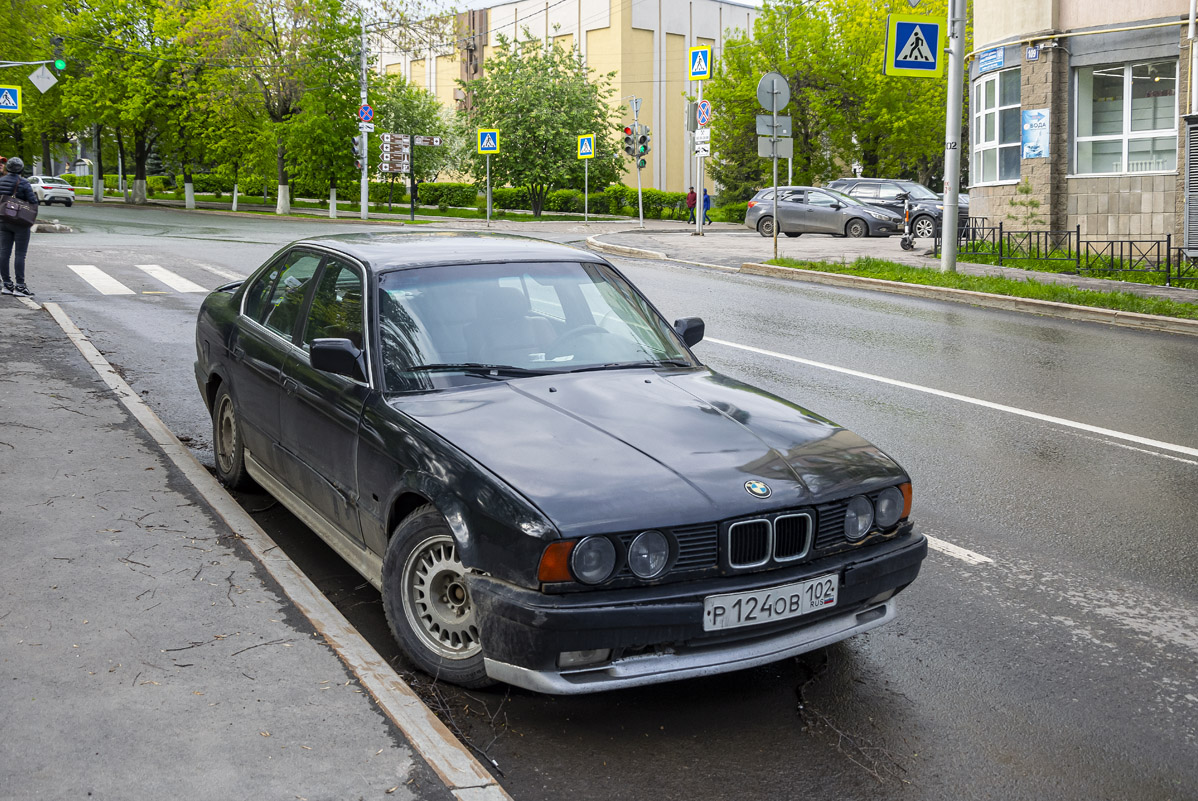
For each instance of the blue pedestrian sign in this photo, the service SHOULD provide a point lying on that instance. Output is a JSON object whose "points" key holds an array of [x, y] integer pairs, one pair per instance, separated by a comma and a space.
{"points": [[488, 140], [700, 63], [586, 146], [914, 46], [10, 99], [365, 113]]}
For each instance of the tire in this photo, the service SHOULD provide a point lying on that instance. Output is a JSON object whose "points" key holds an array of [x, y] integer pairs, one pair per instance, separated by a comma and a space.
{"points": [[856, 228], [428, 604], [765, 226], [228, 449], [69, 203], [923, 227], [792, 234]]}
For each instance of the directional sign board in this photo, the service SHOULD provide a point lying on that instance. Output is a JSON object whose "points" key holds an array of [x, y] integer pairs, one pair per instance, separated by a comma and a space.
{"points": [[586, 146], [10, 99], [914, 45], [393, 138], [395, 147], [700, 63], [703, 112], [388, 166], [427, 141], [365, 113], [488, 140]]}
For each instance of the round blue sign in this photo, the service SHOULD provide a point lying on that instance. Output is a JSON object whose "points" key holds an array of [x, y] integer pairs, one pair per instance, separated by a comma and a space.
{"points": [[704, 112]]}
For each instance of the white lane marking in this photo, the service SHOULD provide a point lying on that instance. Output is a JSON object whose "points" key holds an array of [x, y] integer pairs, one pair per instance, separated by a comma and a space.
{"points": [[957, 552], [222, 273], [1106, 432], [175, 282], [103, 283], [1133, 448]]}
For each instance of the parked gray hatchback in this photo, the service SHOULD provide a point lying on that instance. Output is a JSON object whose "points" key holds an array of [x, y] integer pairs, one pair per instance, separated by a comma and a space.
{"points": [[809, 210]]}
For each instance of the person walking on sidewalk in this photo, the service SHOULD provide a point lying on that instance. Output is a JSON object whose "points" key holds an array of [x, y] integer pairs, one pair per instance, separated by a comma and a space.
{"points": [[15, 234], [706, 207], [690, 204]]}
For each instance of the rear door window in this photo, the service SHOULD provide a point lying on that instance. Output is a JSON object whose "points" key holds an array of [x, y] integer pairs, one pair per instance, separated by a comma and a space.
{"points": [[275, 298]]}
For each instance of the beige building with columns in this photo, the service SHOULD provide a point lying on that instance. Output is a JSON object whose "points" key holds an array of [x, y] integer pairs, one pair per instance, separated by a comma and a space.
{"points": [[645, 42], [1106, 83]]}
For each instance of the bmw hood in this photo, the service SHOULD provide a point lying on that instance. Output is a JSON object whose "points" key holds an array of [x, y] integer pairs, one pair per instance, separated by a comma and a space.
{"points": [[624, 449]]}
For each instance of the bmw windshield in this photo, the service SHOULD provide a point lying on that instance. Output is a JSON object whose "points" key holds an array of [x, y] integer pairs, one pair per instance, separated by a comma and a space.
{"points": [[464, 323]]}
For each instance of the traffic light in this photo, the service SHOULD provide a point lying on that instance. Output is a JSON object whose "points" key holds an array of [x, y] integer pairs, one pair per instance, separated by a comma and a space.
{"points": [[643, 145], [630, 140], [357, 146], [641, 163], [60, 63]]}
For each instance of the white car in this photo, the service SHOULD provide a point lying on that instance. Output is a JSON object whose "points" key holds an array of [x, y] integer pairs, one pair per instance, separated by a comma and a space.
{"points": [[50, 189]]}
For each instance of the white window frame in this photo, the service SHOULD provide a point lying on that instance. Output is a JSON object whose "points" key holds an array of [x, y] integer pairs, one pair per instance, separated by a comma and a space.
{"points": [[1128, 134], [977, 129]]}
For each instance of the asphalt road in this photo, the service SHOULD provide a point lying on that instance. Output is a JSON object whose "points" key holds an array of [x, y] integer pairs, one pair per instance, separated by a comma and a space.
{"points": [[1048, 650]]}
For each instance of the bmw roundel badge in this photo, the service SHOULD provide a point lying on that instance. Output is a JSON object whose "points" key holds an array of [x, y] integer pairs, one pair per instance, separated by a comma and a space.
{"points": [[758, 489]]}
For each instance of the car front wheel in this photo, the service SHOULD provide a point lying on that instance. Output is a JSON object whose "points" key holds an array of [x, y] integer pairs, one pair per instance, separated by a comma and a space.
{"points": [[427, 601], [765, 226], [856, 229], [227, 446], [923, 227]]}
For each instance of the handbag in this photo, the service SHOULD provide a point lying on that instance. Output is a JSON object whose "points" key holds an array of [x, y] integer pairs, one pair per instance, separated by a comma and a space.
{"points": [[17, 212]]}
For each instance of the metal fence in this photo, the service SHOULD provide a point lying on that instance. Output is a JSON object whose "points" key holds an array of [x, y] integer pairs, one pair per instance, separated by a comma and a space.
{"points": [[1097, 257]]}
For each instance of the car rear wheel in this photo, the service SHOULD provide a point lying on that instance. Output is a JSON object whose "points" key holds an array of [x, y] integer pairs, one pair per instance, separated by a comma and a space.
{"points": [[923, 227], [856, 228], [428, 603], [69, 203], [765, 226], [227, 446]]}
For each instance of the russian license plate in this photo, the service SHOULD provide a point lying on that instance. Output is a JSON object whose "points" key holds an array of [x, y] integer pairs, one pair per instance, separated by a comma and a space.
{"points": [[751, 608]]}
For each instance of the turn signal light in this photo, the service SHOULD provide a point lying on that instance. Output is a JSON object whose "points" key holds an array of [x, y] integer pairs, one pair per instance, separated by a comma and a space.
{"points": [[906, 490], [555, 562]]}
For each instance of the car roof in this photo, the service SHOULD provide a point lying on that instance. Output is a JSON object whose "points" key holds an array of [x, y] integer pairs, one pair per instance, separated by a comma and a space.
{"points": [[391, 250]]}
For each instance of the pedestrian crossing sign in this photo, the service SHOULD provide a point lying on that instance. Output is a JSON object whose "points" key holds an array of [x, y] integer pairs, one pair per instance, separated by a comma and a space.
{"points": [[914, 46], [700, 63], [586, 146], [488, 140], [10, 99]]}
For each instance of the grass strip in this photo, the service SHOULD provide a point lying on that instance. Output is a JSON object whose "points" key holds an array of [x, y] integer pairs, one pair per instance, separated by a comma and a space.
{"points": [[1026, 288]]}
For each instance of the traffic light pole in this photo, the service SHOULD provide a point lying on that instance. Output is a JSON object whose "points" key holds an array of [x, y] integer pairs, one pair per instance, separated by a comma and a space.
{"points": [[365, 194], [952, 135], [636, 135]]}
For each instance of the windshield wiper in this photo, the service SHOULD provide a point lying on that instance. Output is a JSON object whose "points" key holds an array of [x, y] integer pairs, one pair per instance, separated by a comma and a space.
{"points": [[481, 369], [632, 365]]}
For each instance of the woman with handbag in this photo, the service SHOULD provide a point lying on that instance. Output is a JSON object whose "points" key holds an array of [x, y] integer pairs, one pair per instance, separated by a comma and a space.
{"points": [[14, 230]]}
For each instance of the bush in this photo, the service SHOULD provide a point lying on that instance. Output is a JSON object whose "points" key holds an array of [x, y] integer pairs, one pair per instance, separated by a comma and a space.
{"points": [[566, 200], [731, 212], [449, 194], [509, 197], [156, 184]]}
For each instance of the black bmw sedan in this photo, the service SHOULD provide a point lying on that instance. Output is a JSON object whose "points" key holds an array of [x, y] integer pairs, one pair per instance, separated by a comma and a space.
{"points": [[549, 489]]}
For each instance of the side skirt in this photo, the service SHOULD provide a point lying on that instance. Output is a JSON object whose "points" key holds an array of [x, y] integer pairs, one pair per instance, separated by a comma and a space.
{"points": [[360, 559]]}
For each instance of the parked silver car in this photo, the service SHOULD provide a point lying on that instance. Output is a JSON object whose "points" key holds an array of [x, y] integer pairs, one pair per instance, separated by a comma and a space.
{"points": [[808, 210]]}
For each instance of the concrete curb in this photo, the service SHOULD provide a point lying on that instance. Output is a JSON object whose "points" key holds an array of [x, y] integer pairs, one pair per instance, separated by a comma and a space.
{"points": [[463, 775], [1172, 325], [637, 253]]}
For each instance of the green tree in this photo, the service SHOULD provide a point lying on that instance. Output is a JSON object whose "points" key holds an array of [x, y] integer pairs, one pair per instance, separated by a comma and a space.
{"points": [[401, 107], [540, 98]]}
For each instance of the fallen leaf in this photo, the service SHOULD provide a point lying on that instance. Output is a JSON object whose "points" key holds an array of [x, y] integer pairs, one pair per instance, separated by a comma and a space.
{"points": [[264, 733], [393, 789]]}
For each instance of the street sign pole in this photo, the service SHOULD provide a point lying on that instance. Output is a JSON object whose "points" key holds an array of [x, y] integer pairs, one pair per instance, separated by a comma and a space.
{"points": [[586, 188], [488, 190], [364, 199], [774, 91], [700, 212], [952, 135], [412, 181]]}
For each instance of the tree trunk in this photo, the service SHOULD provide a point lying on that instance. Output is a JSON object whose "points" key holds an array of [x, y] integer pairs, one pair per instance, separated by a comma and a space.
{"points": [[283, 206], [47, 164], [333, 197], [98, 168], [189, 191], [536, 198], [141, 153]]}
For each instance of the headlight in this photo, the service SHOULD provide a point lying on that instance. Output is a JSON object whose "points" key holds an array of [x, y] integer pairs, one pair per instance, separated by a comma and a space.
{"points": [[593, 560], [858, 518], [648, 554], [877, 215], [889, 507]]}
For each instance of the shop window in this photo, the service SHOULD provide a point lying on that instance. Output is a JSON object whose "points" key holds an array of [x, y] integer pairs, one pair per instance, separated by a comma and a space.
{"points": [[1127, 118], [996, 128]]}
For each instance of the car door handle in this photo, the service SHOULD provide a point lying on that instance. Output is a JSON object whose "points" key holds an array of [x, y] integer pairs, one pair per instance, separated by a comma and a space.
{"points": [[238, 353], [290, 385]]}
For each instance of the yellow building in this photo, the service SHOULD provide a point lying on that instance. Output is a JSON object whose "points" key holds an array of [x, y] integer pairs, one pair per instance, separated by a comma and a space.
{"points": [[645, 42]]}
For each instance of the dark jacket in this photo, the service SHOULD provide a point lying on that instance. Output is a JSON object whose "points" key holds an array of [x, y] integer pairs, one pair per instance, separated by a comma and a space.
{"points": [[12, 184], [690, 200]]}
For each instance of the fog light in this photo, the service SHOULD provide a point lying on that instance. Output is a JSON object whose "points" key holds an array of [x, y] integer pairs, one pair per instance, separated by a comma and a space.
{"points": [[569, 659], [880, 598]]}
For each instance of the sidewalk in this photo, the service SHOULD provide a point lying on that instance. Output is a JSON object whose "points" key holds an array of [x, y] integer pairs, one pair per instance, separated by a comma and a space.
{"points": [[145, 652], [728, 246]]}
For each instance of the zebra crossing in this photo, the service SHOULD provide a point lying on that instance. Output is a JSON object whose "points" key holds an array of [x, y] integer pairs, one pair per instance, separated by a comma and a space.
{"points": [[105, 283]]}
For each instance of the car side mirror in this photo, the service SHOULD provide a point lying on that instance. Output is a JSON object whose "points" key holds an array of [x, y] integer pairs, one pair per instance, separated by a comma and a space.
{"points": [[337, 356], [837, 206], [690, 329]]}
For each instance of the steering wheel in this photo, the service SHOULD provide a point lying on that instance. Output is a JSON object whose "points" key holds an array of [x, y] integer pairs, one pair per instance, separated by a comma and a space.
{"points": [[574, 333]]}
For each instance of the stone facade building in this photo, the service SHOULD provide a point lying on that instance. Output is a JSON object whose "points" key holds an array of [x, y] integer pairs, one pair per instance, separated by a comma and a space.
{"points": [[1085, 100]]}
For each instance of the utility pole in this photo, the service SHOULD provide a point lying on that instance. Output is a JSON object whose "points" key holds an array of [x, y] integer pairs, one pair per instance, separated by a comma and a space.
{"points": [[365, 195], [952, 134]]}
